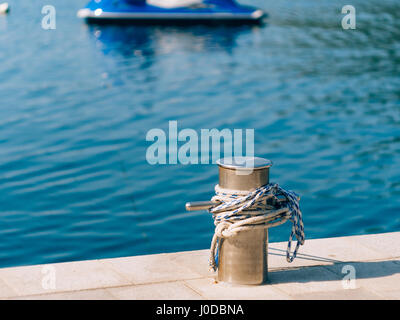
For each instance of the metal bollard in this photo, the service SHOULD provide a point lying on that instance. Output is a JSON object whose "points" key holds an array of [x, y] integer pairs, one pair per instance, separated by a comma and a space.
{"points": [[243, 257]]}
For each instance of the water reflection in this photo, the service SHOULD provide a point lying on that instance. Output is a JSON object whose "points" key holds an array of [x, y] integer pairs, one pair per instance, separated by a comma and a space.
{"points": [[150, 41], [3, 23]]}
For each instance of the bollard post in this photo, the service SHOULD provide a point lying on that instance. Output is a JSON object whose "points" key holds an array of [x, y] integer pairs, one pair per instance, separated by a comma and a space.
{"points": [[243, 258]]}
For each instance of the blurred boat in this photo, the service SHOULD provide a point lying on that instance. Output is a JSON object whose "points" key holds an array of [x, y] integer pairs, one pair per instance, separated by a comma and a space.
{"points": [[169, 11], [4, 8]]}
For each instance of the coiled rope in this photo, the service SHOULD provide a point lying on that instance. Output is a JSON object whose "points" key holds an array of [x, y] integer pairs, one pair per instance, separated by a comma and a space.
{"points": [[265, 207]]}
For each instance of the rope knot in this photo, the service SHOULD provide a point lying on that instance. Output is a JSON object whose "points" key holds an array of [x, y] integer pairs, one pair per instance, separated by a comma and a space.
{"points": [[221, 230], [265, 207]]}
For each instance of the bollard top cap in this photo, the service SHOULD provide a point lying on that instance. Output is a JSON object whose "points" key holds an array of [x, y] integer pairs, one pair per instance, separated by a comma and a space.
{"points": [[238, 163]]}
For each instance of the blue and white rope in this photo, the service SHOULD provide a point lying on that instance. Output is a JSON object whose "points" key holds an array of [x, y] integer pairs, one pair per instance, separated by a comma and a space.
{"points": [[265, 207]]}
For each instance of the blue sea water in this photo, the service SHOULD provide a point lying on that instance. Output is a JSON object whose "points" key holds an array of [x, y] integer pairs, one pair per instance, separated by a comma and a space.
{"points": [[76, 104]]}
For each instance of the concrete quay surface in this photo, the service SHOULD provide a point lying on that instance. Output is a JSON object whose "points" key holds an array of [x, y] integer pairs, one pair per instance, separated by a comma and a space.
{"points": [[319, 272]]}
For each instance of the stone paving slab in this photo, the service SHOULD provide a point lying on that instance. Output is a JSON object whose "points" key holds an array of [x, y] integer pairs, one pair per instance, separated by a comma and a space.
{"points": [[317, 273], [69, 276], [210, 289], [157, 291], [354, 294], [94, 294], [150, 269]]}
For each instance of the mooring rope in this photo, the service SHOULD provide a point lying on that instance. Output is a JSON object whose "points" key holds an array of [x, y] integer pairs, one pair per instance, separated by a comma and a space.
{"points": [[265, 207]]}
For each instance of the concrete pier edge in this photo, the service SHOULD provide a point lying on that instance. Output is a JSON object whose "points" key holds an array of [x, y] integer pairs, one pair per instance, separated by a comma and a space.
{"points": [[355, 267]]}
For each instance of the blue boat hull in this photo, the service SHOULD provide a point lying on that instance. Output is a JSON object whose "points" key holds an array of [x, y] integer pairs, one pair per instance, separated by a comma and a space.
{"points": [[211, 11]]}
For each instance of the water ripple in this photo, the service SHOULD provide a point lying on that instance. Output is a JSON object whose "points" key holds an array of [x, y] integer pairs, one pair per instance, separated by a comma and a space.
{"points": [[76, 105]]}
